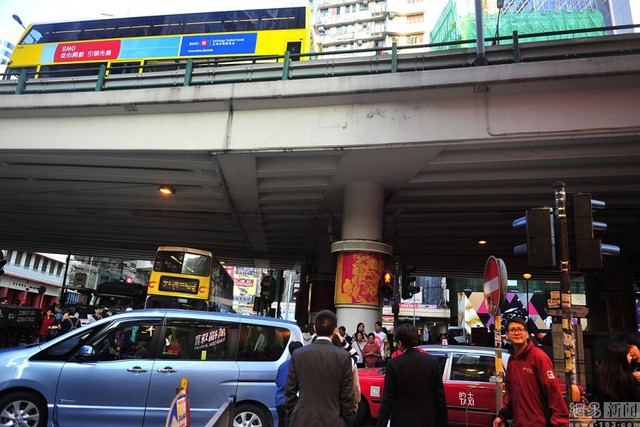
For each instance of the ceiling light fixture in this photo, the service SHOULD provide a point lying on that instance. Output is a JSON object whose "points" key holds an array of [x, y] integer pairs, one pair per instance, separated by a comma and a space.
{"points": [[167, 190], [482, 242]]}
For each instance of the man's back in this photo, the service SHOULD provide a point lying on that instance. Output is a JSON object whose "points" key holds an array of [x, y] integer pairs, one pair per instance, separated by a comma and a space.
{"points": [[414, 393], [321, 372]]}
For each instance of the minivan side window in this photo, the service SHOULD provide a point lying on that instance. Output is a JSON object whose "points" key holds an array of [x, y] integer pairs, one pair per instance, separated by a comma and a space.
{"points": [[200, 340], [472, 367], [126, 340], [262, 342]]}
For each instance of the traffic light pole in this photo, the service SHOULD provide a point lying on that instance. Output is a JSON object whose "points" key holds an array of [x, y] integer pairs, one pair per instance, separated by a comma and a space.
{"points": [[396, 295], [565, 288]]}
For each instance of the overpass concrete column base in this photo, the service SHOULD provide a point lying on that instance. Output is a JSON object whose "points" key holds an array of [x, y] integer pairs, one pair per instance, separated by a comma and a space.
{"points": [[349, 315]]}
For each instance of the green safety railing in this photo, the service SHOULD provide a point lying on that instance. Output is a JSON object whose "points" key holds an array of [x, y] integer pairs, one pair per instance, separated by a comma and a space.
{"points": [[290, 66]]}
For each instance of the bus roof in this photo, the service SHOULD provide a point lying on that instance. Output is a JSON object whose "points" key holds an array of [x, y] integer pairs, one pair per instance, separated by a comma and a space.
{"points": [[183, 13]]}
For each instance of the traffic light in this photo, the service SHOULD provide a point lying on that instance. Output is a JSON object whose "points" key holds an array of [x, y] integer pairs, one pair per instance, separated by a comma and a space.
{"points": [[386, 285], [540, 248], [408, 290], [268, 288], [3, 261], [587, 250]]}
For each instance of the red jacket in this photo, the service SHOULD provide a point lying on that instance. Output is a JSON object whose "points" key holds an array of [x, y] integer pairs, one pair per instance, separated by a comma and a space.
{"points": [[531, 388]]}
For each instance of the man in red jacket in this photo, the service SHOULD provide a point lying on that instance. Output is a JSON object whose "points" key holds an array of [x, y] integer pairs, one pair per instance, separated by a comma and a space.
{"points": [[533, 397]]}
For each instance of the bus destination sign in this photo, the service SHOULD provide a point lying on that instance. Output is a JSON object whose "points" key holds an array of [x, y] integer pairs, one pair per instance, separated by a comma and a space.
{"points": [[178, 284]]}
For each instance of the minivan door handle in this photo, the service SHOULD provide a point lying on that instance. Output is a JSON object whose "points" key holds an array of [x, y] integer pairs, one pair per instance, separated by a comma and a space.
{"points": [[167, 369], [136, 370]]}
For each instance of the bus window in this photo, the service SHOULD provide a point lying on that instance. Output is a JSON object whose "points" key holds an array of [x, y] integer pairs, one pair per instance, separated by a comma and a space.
{"points": [[294, 48], [124, 68], [33, 36]]}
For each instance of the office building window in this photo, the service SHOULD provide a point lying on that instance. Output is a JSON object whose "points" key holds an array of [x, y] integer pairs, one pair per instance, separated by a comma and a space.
{"points": [[415, 19]]}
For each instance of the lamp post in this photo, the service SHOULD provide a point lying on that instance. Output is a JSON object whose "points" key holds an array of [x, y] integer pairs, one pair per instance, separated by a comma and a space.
{"points": [[526, 277], [19, 21]]}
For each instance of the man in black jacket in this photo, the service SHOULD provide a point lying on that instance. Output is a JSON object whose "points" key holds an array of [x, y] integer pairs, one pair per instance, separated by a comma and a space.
{"points": [[413, 390], [319, 390]]}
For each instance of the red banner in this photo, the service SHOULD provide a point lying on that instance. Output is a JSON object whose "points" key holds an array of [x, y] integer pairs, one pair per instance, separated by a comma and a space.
{"points": [[357, 278], [87, 51]]}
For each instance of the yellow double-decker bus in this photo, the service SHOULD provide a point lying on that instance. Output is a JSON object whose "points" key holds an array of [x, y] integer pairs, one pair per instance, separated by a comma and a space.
{"points": [[164, 42], [190, 279]]}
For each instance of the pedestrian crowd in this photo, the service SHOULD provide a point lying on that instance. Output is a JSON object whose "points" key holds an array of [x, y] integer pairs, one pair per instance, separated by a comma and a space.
{"points": [[319, 386], [58, 321]]}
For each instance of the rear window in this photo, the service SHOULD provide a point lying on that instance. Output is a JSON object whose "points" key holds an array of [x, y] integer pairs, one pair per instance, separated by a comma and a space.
{"points": [[472, 367], [262, 342]]}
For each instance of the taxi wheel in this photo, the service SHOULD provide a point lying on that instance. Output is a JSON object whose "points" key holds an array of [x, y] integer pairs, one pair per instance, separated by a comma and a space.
{"points": [[248, 415], [23, 409], [363, 413]]}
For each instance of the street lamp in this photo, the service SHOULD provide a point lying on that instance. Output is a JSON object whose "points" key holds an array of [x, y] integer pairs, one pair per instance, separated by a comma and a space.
{"points": [[526, 277], [19, 21]]}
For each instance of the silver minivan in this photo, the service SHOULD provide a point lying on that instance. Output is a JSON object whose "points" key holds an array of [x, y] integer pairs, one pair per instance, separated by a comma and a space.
{"points": [[124, 370]]}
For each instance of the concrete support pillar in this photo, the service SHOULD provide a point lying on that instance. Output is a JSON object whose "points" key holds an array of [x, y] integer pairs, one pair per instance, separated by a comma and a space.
{"points": [[322, 279], [360, 256], [302, 297], [615, 289], [620, 295]]}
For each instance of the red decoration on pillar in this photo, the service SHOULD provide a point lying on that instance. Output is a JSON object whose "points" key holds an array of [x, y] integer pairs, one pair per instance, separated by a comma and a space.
{"points": [[357, 277]]}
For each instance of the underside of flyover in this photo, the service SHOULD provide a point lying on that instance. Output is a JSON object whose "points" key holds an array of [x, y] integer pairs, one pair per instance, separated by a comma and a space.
{"points": [[259, 172]]}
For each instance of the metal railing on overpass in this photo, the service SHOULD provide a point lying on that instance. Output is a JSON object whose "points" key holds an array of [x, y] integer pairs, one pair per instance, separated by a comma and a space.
{"points": [[394, 59]]}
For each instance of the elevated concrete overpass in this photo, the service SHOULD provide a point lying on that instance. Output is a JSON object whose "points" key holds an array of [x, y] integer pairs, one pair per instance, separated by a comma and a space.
{"points": [[260, 168]]}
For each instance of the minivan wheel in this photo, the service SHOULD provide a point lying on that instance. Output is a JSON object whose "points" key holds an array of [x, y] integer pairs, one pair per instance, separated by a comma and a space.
{"points": [[248, 415], [23, 409]]}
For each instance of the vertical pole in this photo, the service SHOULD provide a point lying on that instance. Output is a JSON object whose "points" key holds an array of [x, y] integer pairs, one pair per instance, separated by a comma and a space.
{"points": [[285, 65], [526, 285], [565, 288], [101, 76], [499, 369], [64, 279], [516, 48], [481, 58], [22, 80], [396, 295], [188, 72], [414, 310], [394, 57]]}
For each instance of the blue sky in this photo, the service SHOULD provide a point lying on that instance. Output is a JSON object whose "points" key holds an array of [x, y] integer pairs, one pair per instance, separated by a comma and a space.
{"points": [[31, 11]]}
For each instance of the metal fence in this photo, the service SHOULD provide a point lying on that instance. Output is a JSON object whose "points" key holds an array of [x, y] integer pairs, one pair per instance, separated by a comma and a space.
{"points": [[224, 416], [394, 59]]}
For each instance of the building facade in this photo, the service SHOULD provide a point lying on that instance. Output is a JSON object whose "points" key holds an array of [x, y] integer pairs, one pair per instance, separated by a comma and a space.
{"points": [[370, 24], [32, 278], [6, 48]]}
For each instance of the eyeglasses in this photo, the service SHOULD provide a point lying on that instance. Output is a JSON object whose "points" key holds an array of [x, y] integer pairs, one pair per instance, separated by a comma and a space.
{"points": [[516, 330]]}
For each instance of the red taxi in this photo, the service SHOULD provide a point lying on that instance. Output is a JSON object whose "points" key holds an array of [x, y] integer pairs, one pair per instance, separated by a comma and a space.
{"points": [[468, 374]]}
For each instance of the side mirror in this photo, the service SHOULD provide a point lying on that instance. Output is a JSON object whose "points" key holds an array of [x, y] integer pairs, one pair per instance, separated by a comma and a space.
{"points": [[86, 352]]}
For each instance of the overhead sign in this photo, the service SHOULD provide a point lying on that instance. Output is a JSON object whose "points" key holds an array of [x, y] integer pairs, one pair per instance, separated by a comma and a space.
{"points": [[495, 284]]}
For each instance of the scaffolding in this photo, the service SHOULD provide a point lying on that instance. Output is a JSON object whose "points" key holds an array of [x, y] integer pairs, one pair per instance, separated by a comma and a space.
{"points": [[524, 16], [518, 6]]}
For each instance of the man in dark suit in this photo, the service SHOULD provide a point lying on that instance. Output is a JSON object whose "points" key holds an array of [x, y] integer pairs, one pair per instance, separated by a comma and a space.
{"points": [[321, 374], [413, 390]]}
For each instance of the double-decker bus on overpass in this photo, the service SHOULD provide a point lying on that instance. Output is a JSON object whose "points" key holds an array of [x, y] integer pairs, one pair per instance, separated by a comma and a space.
{"points": [[161, 42]]}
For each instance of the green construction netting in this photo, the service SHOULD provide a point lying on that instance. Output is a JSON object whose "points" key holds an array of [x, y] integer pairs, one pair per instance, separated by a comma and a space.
{"points": [[464, 27]]}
